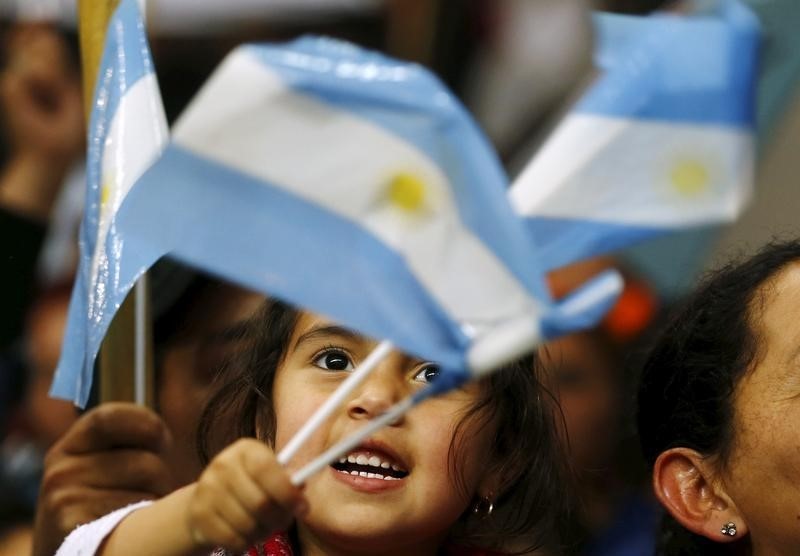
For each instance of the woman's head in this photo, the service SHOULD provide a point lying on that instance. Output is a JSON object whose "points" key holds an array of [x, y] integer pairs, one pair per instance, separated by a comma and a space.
{"points": [[493, 440], [718, 407]]}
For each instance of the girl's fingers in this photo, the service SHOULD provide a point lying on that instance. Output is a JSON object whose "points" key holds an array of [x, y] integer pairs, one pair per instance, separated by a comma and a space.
{"points": [[230, 510], [215, 496], [214, 530], [243, 494], [272, 478], [247, 491], [216, 518]]}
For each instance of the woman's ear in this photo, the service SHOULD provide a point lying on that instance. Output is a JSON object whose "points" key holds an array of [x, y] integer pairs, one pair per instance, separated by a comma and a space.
{"points": [[684, 483]]}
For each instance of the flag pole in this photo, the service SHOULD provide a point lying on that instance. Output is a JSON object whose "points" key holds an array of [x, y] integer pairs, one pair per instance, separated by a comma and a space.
{"points": [[126, 346]]}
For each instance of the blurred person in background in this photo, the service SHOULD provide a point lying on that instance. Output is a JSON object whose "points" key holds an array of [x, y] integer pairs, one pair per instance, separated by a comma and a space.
{"points": [[616, 515], [43, 133], [35, 422], [43, 138]]}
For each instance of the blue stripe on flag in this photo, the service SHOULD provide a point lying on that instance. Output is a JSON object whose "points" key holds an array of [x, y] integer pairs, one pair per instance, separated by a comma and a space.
{"points": [[695, 69], [71, 381], [563, 240], [423, 113], [292, 249]]}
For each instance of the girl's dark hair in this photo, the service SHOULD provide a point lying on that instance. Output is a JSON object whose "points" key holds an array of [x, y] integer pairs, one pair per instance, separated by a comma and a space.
{"points": [[527, 456], [686, 390]]}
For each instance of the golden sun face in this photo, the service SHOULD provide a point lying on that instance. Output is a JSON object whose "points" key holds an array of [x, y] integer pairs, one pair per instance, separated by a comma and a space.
{"points": [[407, 192], [690, 178]]}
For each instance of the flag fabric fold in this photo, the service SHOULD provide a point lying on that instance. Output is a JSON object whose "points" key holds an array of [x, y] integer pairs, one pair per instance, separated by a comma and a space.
{"points": [[662, 140], [127, 130]]}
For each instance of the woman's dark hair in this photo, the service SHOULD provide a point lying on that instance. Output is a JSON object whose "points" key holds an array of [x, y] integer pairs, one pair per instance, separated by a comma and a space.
{"points": [[686, 391], [531, 504]]}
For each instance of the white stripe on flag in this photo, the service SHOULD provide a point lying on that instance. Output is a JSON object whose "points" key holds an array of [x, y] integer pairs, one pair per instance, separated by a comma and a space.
{"points": [[682, 174], [136, 135], [248, 119]]}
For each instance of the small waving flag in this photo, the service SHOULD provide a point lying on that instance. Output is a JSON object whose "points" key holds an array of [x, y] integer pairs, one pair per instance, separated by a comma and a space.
{"points": [[663, 139], [127, 131], [352, 185]]}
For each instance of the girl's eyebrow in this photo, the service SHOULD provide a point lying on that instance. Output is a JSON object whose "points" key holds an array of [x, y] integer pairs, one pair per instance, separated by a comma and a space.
{"points": [[326, 331]]}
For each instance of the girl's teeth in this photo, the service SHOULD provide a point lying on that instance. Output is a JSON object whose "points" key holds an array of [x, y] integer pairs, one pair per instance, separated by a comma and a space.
{"points": [[370, 460], [367, 475]]}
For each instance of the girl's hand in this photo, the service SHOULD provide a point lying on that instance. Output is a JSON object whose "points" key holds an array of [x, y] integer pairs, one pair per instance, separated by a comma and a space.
{"points": [[244, 495]]}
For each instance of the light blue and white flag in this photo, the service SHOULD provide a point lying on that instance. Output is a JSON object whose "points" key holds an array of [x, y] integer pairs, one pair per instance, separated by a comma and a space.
{"points": [[352, 185], [127, 130], [662, 140]]}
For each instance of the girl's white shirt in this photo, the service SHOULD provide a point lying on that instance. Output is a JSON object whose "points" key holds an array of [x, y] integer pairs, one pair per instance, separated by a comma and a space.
{"points": [[87, 538]]}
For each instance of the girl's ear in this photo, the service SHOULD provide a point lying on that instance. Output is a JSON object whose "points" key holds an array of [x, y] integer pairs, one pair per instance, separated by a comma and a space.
{"points": [[490, 485], [684, 483]]}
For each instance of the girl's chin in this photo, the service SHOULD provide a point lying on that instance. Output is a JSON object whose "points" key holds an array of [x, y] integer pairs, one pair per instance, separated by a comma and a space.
{"points": [[358, 537]]}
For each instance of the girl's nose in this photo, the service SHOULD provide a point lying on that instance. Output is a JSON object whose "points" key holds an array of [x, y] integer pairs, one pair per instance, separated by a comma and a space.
{"points": [[380, 391]]}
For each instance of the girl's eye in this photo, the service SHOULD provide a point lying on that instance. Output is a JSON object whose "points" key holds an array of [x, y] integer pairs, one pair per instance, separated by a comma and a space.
{"points": [[427, 373], [334, 361]]}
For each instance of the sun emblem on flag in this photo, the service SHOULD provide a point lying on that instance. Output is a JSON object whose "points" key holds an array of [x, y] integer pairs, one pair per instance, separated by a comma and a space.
{"points": [[407, 191], [690, 177], [105, 194], [108, 184]]}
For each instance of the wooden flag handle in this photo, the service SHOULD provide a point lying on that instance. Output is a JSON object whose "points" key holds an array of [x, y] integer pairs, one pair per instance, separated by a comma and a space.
{"points": [[93, 21]]}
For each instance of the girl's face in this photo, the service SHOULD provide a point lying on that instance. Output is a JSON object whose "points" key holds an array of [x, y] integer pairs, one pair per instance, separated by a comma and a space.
{"points": [[394, 493]]}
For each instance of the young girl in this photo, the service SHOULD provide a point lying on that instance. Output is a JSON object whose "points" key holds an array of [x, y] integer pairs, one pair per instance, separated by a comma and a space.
{"points": [[478, 467]]}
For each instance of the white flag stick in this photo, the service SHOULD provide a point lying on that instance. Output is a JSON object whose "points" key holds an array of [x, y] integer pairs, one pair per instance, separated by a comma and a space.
{"points": [[338, 450], [337, 399]]}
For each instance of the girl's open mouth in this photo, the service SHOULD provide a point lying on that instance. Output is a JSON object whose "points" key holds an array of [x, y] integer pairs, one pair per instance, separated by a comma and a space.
{"points": [[370, 464]]}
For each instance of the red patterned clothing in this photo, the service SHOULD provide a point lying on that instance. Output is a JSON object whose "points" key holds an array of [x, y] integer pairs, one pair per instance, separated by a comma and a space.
{"points": [[279, 545]]}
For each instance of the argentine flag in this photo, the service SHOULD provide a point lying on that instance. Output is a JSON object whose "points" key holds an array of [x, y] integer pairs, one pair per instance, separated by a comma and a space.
{"points": [[355, 186], [663, 139], [127, 130]]}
